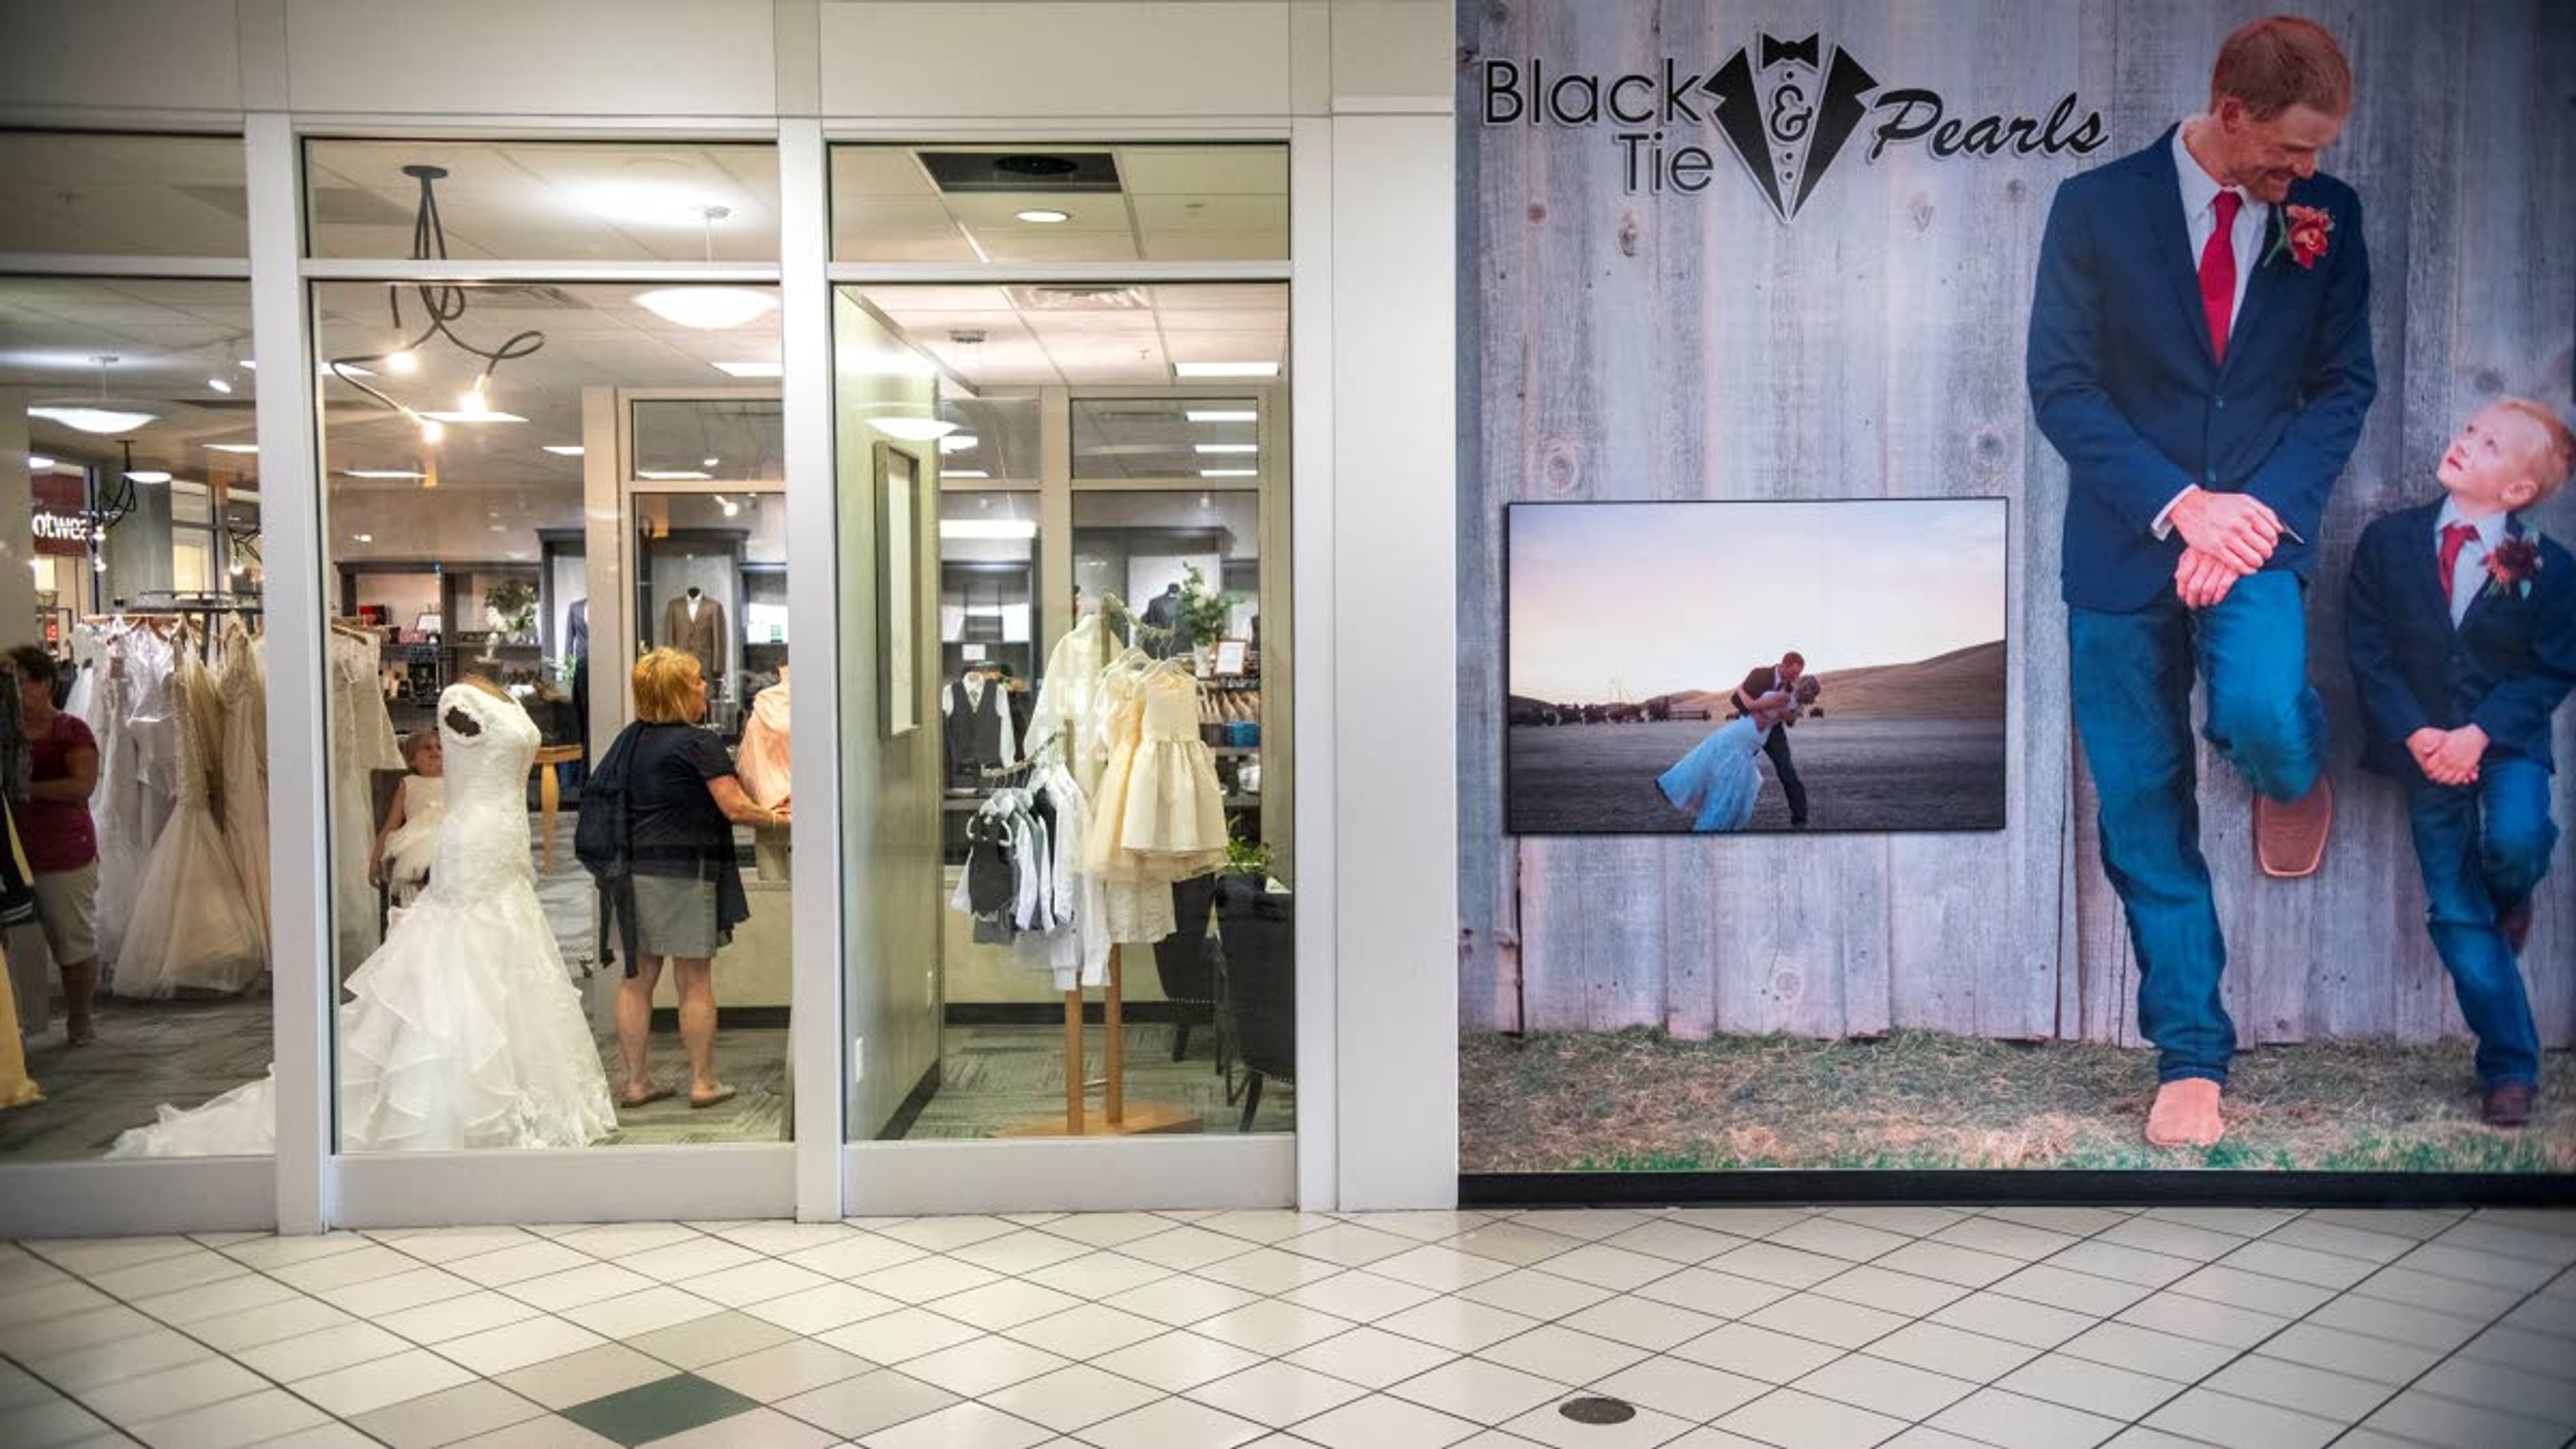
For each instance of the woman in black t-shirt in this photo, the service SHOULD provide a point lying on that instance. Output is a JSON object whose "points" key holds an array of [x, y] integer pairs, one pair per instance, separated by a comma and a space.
{"points": [[682, 801]]}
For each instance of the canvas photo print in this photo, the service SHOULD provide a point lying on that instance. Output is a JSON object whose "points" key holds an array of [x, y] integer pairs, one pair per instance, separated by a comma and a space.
{"points": [[1749, 667]]}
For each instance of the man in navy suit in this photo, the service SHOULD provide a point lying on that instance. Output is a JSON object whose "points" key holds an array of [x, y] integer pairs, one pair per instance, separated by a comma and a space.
{"points": [[2200, 354], [2461, 628]]}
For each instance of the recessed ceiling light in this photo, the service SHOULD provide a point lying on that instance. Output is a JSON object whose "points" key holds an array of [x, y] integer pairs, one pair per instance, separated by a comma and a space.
{"points": [[92, 419], [709, 462], [564, 450], [219, 385], [1229, 472], [401, 362], [234, 447], [474, 417], [748, 369], [707, 308], [1043, 216], [39, 462], [363, 537], [964, 473], [1229, 447], [381, 473], [1224, 415], [1225, 369], [988, 528], [913, 430], [958, 442], [147, 475], [671, 475]]}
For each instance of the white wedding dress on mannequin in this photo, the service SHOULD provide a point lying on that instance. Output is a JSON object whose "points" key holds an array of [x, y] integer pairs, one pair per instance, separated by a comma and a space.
{"points": [[463, 1030]]}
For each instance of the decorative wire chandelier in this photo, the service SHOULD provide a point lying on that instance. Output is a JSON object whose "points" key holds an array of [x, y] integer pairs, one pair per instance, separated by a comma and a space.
{"points": [[443, 305]]}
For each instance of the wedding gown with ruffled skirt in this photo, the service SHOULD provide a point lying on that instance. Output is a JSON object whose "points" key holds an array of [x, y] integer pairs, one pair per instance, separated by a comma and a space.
{"points": [[1717, 783], [463, 1030]]}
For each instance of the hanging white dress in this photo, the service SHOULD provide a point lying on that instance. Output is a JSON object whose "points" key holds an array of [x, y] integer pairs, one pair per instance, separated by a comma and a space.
{"points": [[244, 689], [362, 742], [192, 927], [463, 1030]]}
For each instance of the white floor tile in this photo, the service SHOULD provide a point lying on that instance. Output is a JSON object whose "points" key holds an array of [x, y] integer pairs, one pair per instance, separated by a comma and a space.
{"points": [[1087, 1331], [1517, 1243], [2317, 1269], [1488, 1393], [1645, 1430], [1884, 1386], [2345, 1239], [1181, 1299], [785, 1370], [780, 1239], [214, 1300], [307, 1354], [517, 1345], [578, 1378], [592, 1282], [2012, 1421], [1348, 1244], [1953, 1351], [979, 1366], [1950, 1263], [1757, 1353], [2435, 1291], [619, 1240], [1381, 1422], [1594, 1224], [1541, 1294], [1073, 1398], [360, 1388], [1103, 1275], [1006, 1304], [2380, 1360], [237, 1331], [1795, 1420], [1617, 1269], [640, 1313], [1440, 1268], [1675, 1242], [1183, 1248], [2147, 1351], [713, 1339], [32, 1337], [1772, 1263], [342, 1268], [2210, 1322], [1271, 1327], [2549, 1396], [2125, 1264], [1640, 1323], [1458, 1324], [960, 1426], [940, 1234], [1177, 1362], [1836, 1238], [1107, 1230], [1901, 1293], [1358, 1295], [2095, 1387], [857, 1407], [1276, 1394], [1023, 1252], [1720, 1295], [1371, 1357], [2450, 1424], [172, 1391], [99, 1364], [191, 1269], [2224, 1419], [1173, 1424], [2077, 1292], [691, 1258], [1685, 1390], [375, 1297], [1423, 1226], [1826, 1320], [254, 1418], [2404, 1322], [90, 1257], [438, 1246], [2011, 1240], [2324, 1393], [2014, 1320]]}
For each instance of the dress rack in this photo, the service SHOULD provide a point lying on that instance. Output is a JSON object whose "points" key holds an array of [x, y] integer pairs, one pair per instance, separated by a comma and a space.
{"points": [[195, 608], [1117, 1116]]}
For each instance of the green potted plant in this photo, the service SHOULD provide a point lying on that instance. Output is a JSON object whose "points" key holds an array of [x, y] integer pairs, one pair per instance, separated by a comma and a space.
{"points": [[1203, 616], [513, 606]]}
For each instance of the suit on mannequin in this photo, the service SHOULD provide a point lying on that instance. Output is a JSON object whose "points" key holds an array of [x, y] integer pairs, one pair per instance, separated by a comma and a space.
{"points": [[695, 624]]}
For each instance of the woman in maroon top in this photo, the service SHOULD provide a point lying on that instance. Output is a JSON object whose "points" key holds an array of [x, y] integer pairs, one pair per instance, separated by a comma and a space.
{"points": [[61, 843]]}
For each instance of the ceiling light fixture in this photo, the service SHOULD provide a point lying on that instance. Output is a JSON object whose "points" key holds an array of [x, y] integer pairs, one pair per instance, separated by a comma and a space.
{"points": [[1229, 447], [958, 442], [913, 430], [363, 537], [1223, 415], [1225, 369], [1042, 216], [233, 447], [1019, 528], [707, 309], [672, 475], [381, 473], [464, 417], [38, 463], [748, 369], [101, 414], [443, 305], [219, 385], [709, 462], [564, 450], [149, 475], [964, 473], [1229, 472]]}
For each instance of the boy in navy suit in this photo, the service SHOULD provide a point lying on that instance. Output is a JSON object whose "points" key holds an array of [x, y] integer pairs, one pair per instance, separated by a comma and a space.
{"points": [[2461, 627]]}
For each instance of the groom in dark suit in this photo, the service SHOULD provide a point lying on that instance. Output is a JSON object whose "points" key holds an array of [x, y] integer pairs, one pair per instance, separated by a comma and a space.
{"points": [[1761, 681], [2200, 354]]}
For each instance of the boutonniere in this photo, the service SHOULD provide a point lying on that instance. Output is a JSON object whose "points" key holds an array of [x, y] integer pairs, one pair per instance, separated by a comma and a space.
{"points": [[2511, 566], [2302, 232]]}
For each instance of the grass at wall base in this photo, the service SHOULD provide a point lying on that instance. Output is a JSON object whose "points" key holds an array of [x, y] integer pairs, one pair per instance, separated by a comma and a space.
{"points": [[1641, 1101]]}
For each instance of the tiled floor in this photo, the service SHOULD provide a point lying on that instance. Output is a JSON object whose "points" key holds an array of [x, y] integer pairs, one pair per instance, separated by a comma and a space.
{"points": [[1915, 1328]]}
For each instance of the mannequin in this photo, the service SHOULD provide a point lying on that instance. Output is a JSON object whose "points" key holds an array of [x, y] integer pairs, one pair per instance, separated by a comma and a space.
{"points": [[695, 624], [761, 763]]}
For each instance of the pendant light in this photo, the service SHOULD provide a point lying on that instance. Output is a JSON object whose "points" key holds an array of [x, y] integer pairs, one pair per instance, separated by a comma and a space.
{"points": [[101, 414], [443, 305], [708, 309]]}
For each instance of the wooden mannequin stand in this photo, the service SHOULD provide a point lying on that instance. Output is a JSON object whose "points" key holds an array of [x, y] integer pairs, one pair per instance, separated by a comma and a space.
{"points": [[1117, 1116]]}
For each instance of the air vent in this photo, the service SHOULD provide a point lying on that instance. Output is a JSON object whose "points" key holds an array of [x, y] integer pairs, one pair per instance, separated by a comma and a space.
{"points": [[1027, 172], [1079, 299]]}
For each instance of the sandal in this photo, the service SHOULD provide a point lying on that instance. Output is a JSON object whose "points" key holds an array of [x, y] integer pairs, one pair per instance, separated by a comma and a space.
{"points": [[717, 1097], [656, 1094]]}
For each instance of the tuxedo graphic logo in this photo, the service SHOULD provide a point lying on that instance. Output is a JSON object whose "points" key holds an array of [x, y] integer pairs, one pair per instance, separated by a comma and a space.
{"points": [[1786, 113]]}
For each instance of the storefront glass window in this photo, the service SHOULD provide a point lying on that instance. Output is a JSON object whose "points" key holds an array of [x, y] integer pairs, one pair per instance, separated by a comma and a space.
{"points": [[556, 200], [1059, 203], [132, 195], [1076, 784], [127, 401], [507, 540]]}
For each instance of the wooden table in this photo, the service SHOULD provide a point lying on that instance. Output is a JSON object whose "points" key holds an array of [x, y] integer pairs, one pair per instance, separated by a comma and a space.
{"points": [[550, 791]]}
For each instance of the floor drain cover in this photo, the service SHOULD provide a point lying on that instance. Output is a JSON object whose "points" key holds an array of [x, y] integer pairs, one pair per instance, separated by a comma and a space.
{"points": [[1597, 1411]]}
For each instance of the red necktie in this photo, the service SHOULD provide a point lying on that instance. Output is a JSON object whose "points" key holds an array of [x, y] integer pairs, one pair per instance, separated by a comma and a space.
{"points": [[2455, 536], [2218, 273]]}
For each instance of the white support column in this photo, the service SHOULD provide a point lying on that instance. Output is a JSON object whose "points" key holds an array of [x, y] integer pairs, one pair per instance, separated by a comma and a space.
{"points": [[1310, 517], [1394, 530], [814, 614], [292, 527]]}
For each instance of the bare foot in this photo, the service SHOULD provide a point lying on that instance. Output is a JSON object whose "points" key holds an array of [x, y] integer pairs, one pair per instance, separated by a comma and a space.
{"points": [[2185, 1115]]}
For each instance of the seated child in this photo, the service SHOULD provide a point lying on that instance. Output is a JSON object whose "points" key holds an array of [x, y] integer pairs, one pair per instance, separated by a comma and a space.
{"points": [[2461, 629], [408, 841]]}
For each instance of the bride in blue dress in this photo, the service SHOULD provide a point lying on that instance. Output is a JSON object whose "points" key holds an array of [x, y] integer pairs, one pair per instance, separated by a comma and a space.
{"points": [[1718, 782]]}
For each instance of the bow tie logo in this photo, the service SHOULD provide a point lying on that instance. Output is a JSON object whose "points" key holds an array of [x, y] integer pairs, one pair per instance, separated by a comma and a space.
{"points": [[1776, 51]]}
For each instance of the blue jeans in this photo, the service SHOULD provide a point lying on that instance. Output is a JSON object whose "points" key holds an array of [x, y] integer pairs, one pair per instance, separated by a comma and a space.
{"points": [[2132, 677], [2484, 847]]}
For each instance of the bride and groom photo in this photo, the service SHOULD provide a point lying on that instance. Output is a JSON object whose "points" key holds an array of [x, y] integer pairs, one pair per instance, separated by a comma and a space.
{"points": [[1632, 709]]}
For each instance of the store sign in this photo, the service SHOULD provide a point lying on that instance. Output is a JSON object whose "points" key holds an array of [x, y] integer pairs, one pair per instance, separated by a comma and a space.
{"points": [[60, 509], [1784, 109]]}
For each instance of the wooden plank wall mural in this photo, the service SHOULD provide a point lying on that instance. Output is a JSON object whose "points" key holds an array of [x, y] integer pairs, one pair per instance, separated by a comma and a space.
{"points": [[1621, 347]]}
